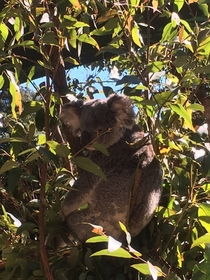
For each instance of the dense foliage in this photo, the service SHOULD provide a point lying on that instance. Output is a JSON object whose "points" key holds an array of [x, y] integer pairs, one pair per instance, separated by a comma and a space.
{"points": [[158, 54]]}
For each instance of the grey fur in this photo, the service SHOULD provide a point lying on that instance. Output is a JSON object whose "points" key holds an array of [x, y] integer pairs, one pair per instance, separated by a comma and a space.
{"points": [[111, 122]]}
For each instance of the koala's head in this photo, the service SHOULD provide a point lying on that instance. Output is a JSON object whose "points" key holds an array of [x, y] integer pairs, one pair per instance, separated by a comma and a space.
{"points": [[101, 121]]}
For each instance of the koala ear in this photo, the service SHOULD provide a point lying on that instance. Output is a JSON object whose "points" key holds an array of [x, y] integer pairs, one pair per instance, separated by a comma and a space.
{"points": [[70, 115], [122, 106]]}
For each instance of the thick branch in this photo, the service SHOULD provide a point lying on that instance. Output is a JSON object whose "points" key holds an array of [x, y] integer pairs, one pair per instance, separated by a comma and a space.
{"points": [[43, 177]]}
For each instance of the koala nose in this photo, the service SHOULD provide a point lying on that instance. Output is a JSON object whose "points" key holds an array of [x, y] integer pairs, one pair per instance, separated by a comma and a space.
{"points": [[85, 138]]}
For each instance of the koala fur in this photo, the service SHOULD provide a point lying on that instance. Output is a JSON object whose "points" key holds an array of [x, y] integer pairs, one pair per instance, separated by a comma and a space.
{"points": [[111, 122]]}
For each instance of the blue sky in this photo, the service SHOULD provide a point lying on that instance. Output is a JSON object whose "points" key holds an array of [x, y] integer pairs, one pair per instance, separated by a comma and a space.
{"points": [[82, 73]]}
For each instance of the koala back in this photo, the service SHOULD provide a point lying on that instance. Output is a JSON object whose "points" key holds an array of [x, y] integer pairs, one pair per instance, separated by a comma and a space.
{"points": [[111, 122]]}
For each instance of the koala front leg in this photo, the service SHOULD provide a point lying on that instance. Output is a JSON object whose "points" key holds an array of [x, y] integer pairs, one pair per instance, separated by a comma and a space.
{"points": [[83, 193]]}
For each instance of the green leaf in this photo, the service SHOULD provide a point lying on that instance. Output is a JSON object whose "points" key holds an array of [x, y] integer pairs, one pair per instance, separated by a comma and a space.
{"points": [[8, 165], [3, 34], [71, 60], [72, 38], [155, 66], [88, 165], [179, 4], [144, 268], [203, 69], [97, 239], [58, 149], [204, 46], [204, 215], [167, 32], [201, 240], [204, 9], [31, 107], [101, 149], [120, 253], [45, 65], [195, 107], [50, 39], [114, 50], [13, 178], [33, 156], [13, 140], [180, 61], [85, 38], [29, 44], [111, 13], [1, 81], [30, 75], [32, 128], [49, 155], [123, 227], [164, 97], [186, 25], [180, 110], [16, 97], [136, 36], [26, 226], [40, 119]]}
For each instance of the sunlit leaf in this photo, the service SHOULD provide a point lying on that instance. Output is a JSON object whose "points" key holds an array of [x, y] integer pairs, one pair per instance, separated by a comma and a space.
{"points": [[89, 40], [201, 240], [144, 268], [15, 93], [179, 4], [120, 253], [195, 107], [204, 9], [136, 35], [186, 24], [97, 239], [1, 81], [167, 32], [75, 4], [180, 110], [133, 251], [204, 215], [155, 66], [3, 34]]}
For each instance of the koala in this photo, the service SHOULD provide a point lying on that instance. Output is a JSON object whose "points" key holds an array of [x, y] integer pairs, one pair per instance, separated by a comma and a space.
{"points": [[134, 176]]}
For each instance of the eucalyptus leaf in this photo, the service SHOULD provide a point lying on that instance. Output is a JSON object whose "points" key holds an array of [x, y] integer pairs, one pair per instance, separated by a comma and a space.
{"points": [[88, 165]]}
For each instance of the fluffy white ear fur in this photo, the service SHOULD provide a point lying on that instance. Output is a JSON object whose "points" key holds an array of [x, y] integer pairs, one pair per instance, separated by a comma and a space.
{"points": [[122, 106], [70, 115]]}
